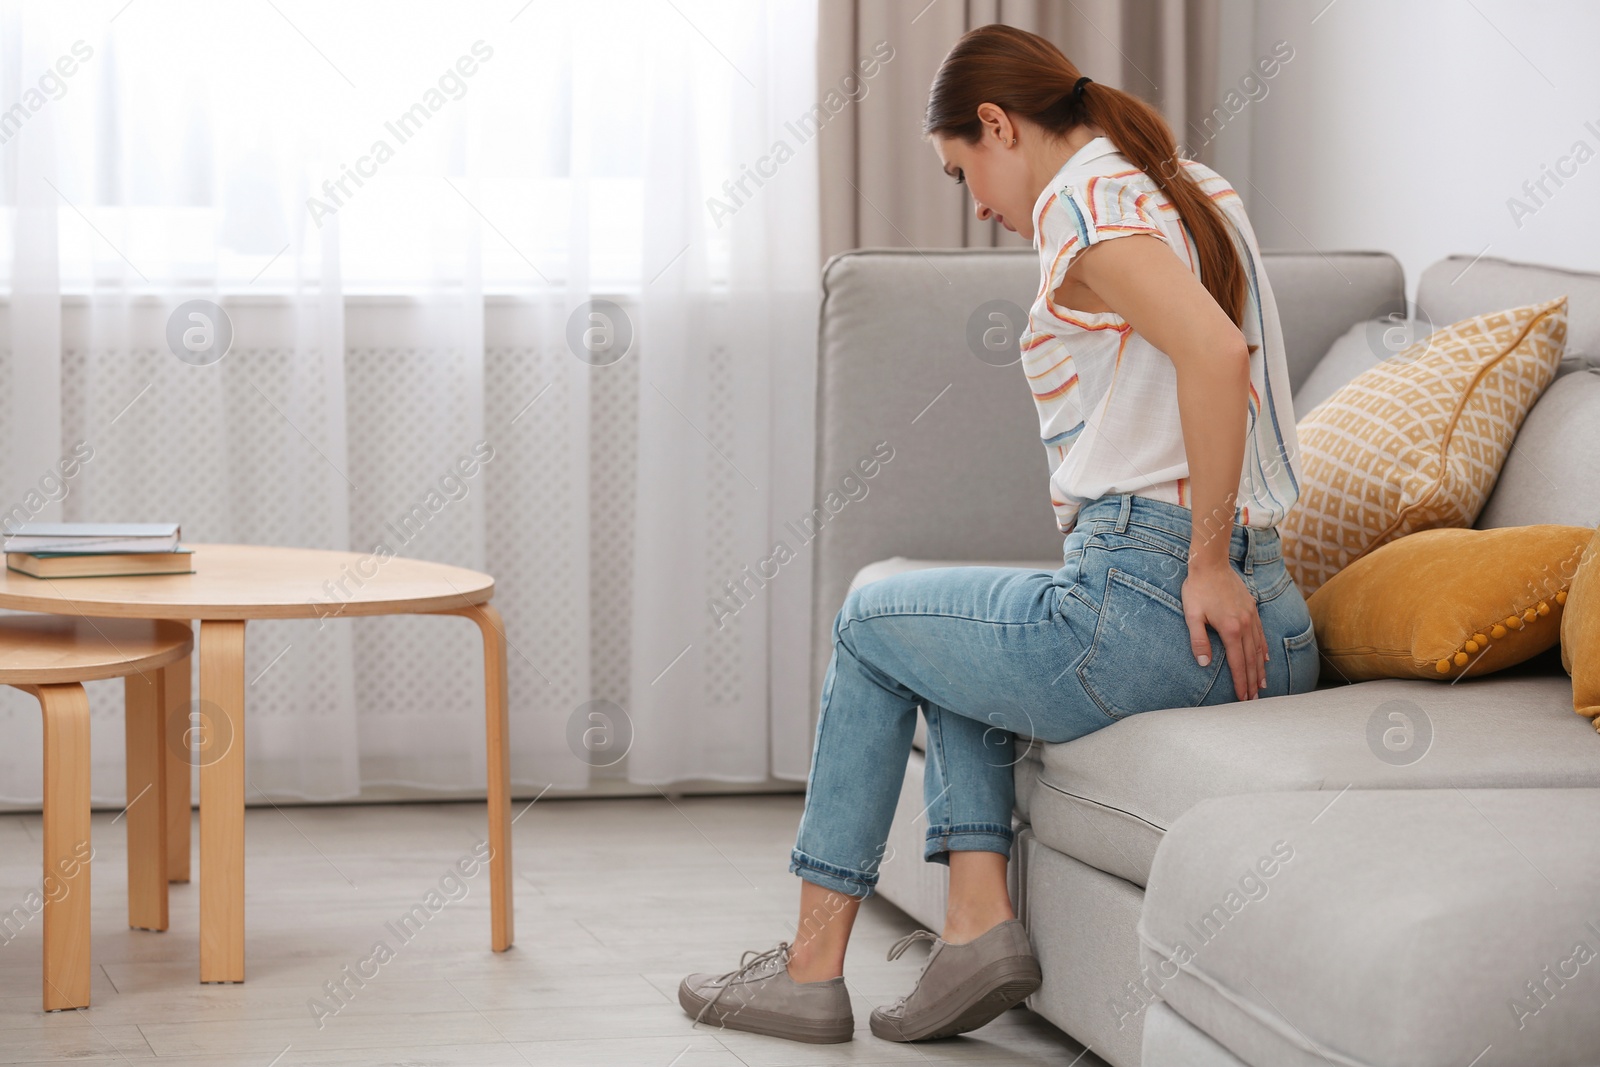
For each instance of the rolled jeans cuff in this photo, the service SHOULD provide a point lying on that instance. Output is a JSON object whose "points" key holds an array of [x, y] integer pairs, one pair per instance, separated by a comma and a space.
{"points": [[838, 879], [966, 837]]}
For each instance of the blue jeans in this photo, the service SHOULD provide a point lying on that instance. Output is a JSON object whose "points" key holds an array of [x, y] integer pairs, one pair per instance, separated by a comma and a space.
{"points": [[993, 652]]}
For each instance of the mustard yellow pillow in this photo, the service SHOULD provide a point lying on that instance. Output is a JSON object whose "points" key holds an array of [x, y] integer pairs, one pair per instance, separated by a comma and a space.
{"points": [[1416, 442], [1449, 603], [1580, 634]]}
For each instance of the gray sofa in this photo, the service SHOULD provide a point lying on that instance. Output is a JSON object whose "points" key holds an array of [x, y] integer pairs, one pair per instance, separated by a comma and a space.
{"points": [[1431, 886]]}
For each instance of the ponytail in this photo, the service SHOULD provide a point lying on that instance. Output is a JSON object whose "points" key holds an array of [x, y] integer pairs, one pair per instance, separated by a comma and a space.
{"points": [[1028, 76]]}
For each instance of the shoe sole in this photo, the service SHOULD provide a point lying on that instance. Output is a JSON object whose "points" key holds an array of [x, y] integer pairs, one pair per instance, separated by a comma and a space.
{"points": [[757, 1021], [1004, 984]]}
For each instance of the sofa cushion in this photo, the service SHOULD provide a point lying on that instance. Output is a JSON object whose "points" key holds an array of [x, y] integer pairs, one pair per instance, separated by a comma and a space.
{"points": [[1358, 349], [1108, 797], [1580, 634], [1365, 344], [1456, 287], [1170, 1040], [1419, 927], [1550, 475], [1553, 471], [1445, 604]]}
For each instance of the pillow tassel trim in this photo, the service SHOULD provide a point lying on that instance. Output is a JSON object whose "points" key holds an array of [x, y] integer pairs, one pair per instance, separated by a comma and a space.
{"points": [[1479, 642]]}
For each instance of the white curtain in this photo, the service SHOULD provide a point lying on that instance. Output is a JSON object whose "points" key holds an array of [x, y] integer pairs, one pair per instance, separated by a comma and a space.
{"points": [[484, 237]]}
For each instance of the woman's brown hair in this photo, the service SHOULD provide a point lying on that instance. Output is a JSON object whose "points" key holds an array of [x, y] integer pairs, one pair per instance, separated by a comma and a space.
{"points": [[1027, 76]]}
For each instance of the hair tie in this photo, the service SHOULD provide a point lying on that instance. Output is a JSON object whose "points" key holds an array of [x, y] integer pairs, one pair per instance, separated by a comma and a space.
{"points": [[1077, 88]]}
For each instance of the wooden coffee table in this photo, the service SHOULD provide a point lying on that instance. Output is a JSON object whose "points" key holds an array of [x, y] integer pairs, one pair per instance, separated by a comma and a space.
{"points": [[231, 585]]}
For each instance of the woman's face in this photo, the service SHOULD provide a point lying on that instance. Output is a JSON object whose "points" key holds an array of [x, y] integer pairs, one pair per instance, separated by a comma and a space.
{"points": [[995, 172]]}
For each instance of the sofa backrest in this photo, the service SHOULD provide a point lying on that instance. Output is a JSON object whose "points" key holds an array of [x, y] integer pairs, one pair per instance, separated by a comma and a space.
{"points": [[1319, 297], [1553, 471], [969, 477], [1457, 288]]}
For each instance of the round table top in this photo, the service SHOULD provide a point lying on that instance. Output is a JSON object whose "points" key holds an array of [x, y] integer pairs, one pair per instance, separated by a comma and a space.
{"points": [[44, 649], [258, 582]]}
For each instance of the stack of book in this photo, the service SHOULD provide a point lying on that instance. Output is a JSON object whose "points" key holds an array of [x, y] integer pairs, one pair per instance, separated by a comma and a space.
{"points": [[96, 549]]}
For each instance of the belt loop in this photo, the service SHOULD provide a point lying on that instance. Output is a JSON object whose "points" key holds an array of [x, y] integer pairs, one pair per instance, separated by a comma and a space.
{"points": [[1122, 516], [1249, 549]]}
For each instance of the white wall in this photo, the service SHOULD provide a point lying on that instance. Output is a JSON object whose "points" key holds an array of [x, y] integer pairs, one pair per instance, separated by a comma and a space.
{"points": [[1407, 127]]}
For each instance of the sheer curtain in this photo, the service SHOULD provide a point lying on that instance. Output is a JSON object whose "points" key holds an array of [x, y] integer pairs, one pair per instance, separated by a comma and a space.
{"points": [[485, 237]]}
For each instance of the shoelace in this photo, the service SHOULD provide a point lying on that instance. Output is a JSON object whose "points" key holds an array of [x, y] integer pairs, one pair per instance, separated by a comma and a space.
{"points": [[747, 966], [907, 941], [899, 947]]}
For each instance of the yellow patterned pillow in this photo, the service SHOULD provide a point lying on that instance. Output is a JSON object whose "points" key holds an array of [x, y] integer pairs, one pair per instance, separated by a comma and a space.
{"points": [[1416, 442]]}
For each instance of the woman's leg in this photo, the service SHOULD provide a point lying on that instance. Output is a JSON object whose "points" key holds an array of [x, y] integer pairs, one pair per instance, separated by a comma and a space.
{"points": [[988, 653], [980, 900], [831, 896], [985, 640], [826, 917], [968, 793]]}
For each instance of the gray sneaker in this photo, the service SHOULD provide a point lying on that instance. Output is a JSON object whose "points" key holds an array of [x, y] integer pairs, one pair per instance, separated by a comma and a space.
{"points": [[759, 996], [963, 986]]}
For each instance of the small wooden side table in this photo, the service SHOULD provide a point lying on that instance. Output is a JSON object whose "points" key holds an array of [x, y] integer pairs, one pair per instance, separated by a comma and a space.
{"points": [[231, 585], [50, 657]]}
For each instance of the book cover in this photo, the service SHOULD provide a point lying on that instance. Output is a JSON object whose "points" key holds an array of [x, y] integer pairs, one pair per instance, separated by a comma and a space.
{"points": [[92, 537], [94, 529], [107, 565]]}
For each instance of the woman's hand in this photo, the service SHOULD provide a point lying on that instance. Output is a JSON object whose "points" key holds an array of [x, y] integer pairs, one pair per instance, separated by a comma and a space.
{"points": [[1215, 595]]}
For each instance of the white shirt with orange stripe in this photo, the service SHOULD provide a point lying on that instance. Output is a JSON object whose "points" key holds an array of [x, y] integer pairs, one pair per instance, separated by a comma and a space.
{"points": [[1107, 398]]}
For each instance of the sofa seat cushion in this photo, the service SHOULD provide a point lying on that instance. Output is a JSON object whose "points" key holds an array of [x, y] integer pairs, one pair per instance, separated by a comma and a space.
{"points": [[1424, 927], [1108, 797], [883, 568]]}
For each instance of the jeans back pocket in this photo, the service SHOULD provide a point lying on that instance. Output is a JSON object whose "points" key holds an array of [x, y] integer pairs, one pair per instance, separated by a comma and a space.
{"points": [[1140, 658], [1303, 660]]}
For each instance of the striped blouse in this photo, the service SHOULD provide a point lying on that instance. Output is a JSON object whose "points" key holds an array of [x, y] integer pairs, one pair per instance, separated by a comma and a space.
{"points": [[1107, 398]]}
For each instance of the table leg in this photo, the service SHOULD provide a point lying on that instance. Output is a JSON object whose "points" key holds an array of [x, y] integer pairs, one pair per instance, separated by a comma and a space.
{"points": [[221, 800], [179, 763], [498, 734], [67, 852], [144, 729]]}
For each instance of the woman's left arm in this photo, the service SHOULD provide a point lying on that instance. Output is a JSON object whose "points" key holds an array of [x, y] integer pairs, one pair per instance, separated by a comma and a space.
{"points": [[1141, 280]]}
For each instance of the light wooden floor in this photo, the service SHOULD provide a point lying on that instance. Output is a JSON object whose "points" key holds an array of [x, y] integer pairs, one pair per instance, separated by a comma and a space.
{"points": [[616, 901]]}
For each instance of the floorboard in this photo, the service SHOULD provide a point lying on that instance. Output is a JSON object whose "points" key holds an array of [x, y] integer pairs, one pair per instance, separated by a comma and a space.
{"points": [[616, 900]]}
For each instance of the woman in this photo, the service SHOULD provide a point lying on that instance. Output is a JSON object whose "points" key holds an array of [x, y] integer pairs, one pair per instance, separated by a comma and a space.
{"points": [[1155, 358]]}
